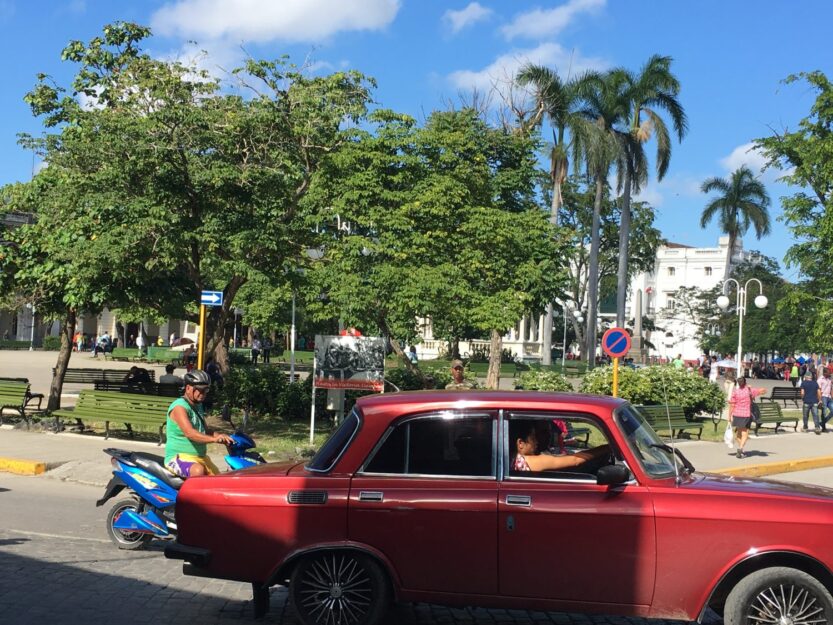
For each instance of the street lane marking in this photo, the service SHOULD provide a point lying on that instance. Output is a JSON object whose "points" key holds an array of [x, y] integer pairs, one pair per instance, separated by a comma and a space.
{"points": [[61, 536]]}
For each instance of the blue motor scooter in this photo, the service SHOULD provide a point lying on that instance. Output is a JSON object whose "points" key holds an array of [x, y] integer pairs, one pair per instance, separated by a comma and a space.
{"points": [[149, 511]]}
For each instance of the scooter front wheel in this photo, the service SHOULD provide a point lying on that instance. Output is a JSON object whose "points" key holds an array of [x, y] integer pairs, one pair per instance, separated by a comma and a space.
{"points": [[125, 539]]}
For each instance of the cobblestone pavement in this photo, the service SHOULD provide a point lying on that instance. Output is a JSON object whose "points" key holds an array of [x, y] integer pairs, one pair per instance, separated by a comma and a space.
{"points": [[57, 580]]}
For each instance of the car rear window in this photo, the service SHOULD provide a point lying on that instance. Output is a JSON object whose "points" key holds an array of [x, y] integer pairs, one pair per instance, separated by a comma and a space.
{"points": [[331, 451]]}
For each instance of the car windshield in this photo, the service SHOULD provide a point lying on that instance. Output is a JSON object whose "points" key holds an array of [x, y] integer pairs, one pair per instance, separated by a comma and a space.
{"points": [[656, 457], [331, 451]]}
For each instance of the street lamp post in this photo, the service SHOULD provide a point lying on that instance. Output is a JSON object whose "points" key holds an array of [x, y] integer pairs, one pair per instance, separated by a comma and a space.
{"points": [[723, 303], [32, 330], [579, 319]]}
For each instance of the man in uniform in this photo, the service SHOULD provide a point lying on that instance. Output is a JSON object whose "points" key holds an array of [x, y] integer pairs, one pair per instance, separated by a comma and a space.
{"points": [[458, 382]]}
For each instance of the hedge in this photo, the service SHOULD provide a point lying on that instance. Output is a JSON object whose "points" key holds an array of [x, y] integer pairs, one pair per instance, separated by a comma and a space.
{"points": [[658, 385]]}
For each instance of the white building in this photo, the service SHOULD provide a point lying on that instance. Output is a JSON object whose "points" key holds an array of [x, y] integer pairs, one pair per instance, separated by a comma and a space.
{"points": [[679, 266]]}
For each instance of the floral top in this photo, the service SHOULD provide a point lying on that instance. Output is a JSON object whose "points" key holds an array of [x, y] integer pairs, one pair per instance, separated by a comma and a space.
{"points": [[742, 400], [520, 464]]}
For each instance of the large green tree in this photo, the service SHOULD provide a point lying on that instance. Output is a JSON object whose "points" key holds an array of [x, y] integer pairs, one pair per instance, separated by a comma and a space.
{"points": [[207, 174], [805, 156], [742, 202], [602, 144], [437, 222], [650, 92], [558, 101]]}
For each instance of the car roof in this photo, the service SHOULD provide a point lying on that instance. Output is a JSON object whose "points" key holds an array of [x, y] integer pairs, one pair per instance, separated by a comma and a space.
{"points": [[392, 404]]}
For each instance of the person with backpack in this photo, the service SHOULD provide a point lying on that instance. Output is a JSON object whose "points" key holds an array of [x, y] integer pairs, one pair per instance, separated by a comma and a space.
{"points": [[740, 411]]}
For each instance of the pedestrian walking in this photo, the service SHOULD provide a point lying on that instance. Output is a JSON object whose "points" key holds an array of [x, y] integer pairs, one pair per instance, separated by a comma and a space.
{"points": [[794, 374], [811, 397], [267, 349], [256, 347], [740, 411], [825, 386]]}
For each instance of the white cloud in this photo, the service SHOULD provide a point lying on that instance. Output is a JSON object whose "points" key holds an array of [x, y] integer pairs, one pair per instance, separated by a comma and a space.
{"points": [[541, 23], [77, 6], [268, 20], [669, 188], [505, 67], [458, 20], [39, 167], [746, 154]]}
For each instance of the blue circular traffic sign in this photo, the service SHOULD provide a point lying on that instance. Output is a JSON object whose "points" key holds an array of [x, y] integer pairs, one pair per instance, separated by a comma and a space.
{"points": [[616, 342]]}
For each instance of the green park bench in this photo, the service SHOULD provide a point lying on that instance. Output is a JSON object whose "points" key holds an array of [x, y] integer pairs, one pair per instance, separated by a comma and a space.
{"points": [[111, 406], [123, 354], [670, 418], [16, 395], [153, 388], [575, 368], [520, 368], [785, 394], [162, 355], [770, 414], [91, 376]]}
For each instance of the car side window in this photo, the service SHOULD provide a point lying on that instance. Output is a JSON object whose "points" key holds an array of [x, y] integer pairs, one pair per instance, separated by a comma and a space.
{"points": [[458, 446], [575, 446]]}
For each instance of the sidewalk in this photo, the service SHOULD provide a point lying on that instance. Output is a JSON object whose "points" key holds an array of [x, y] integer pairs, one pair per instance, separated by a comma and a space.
{"points": [[80, 458]]}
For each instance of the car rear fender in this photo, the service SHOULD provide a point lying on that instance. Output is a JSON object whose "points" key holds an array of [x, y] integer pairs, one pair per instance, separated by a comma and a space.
{"points": [[759, 561], [283, 571]]}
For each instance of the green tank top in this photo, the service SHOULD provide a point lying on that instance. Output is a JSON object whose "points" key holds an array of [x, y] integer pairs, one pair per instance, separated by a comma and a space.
{"points": [[177, 443]]}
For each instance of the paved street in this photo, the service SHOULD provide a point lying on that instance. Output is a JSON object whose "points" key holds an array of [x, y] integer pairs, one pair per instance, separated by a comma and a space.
{"points": [[57, 566]]}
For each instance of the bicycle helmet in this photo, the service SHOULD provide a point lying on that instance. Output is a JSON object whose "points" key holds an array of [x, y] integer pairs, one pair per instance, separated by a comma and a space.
{"points": [[196, 377]]}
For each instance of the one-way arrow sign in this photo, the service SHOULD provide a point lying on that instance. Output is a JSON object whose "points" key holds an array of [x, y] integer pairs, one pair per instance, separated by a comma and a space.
{"points": [[211, 298]]}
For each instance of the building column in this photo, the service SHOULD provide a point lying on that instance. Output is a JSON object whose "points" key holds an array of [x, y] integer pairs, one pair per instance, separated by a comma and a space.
{"points": [[522, 332]]}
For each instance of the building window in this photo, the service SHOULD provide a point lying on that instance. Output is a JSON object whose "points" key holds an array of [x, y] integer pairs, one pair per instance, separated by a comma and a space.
{"points": [[670, 302], [707, 271], [671, 271]]}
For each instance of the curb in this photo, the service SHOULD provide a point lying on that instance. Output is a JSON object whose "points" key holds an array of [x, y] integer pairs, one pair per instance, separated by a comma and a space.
{"points": [[774, 468], [22, 467]]}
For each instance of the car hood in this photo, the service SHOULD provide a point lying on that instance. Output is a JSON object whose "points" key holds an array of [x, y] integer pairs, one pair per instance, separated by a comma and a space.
{"points": [[756, 486], [270, 469]]}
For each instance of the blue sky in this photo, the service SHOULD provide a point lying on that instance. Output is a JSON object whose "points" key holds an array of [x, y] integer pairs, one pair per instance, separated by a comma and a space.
{"points": [[730, 57]]}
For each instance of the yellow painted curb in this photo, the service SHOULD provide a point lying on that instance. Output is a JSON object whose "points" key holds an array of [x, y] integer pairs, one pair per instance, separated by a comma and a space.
{"points": [[22, 467], [773, 468]]}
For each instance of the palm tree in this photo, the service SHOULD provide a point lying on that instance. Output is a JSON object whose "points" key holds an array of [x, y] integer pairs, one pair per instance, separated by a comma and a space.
{"points": [[558, 100], [654, 89], [743, 202], [602, 144]]}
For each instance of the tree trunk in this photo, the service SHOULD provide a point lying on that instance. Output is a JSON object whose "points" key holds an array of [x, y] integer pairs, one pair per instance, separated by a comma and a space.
{"points": [[67, 331], [727, 270], [396, 347], [624, 238], [495, 351], [217, 345], [593, 277], [558, 175]]}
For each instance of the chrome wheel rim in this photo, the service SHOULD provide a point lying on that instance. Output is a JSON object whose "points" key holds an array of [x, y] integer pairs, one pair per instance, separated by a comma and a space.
{"points": [[786, 604], [335, 590]]}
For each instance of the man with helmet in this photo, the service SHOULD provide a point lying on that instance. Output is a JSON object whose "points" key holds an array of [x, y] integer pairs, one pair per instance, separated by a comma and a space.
{"points": [[185, 449]]}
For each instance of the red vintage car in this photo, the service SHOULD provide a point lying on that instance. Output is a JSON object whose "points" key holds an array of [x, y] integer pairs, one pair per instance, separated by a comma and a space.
{"points": [[528, 500]]}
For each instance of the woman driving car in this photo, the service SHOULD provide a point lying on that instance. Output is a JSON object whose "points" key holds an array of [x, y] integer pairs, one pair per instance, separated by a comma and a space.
{"points": [[523, 440]]}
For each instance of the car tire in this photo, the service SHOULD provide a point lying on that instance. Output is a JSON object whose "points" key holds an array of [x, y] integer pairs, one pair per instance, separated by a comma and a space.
{"points": [[122, 538], [778, 595], [343, 587]]}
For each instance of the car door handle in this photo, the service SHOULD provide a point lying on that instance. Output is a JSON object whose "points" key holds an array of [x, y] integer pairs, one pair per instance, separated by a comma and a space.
{"points": [[371, 495], [518, 500]]}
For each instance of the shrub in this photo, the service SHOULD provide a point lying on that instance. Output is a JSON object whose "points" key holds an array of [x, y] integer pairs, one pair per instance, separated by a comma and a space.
{"points": [[541, 380], [255, 388], [658, 385], [52, 343], [14, 344]]}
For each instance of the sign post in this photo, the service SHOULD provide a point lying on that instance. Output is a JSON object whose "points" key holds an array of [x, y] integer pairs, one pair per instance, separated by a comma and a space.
{"points": [[207, 298], [616, 342]]}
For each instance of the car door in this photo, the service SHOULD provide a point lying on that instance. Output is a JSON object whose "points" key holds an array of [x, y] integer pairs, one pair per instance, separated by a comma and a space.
{"points": [[563, 537], [426, 498]]}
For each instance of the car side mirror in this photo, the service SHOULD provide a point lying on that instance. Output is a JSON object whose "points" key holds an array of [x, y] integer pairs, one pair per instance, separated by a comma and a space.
{"points": [[613, 475]]}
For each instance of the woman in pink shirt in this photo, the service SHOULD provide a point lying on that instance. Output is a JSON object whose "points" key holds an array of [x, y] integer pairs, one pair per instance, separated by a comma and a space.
{"points": [[740, 411]]}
